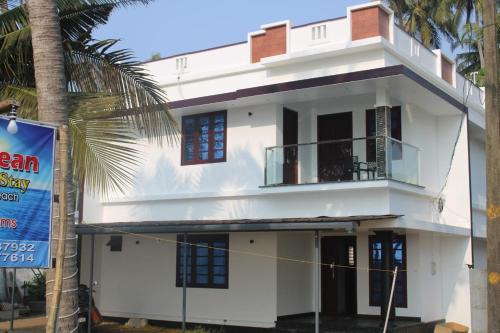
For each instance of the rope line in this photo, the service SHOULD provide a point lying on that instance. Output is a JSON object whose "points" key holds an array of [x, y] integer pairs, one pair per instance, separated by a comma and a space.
{"points": [[262, 255]]}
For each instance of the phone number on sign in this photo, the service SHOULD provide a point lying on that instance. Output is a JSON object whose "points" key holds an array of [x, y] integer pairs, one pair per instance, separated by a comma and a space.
{"points": [[17, 251]]}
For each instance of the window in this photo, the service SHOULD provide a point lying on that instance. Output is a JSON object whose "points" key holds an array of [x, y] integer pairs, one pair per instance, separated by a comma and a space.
{"points": [[399, 252], [208, 260], [204, 138], [318, 32], [181, 64], [396, 133]]}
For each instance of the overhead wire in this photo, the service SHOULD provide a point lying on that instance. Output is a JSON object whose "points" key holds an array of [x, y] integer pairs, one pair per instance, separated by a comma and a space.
{"points": [[241, 252]]}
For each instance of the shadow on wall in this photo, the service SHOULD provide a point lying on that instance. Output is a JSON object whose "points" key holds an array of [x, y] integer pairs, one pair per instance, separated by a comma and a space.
{"points": [[243, 170]]}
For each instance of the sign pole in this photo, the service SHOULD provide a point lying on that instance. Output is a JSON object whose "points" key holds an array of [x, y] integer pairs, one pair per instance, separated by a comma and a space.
{"points": [[12, 294], [184, 282], [91, 283], [63, 226]]}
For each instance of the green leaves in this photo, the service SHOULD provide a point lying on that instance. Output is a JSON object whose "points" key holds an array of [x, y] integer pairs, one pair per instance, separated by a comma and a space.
{"points": [[114, 103], [104, 150], [426, 20]]}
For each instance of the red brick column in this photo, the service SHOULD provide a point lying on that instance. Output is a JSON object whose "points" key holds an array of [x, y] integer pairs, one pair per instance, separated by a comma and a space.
{"points": [[369, 22], [270, 43]]}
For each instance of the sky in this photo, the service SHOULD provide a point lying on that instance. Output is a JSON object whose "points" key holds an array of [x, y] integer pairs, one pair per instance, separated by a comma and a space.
{"points": [[175, 26]]}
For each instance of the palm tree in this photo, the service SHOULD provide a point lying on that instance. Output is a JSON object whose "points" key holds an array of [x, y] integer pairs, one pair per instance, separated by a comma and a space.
{"points": [[465, 8], [98, 92], [468, 58], [108, 92], [50, 80], [426, 20]]}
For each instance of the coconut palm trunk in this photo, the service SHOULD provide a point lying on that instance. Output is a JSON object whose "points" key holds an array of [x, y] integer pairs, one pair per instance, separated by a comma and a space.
{"points": [[53, 108], [492, 164]]}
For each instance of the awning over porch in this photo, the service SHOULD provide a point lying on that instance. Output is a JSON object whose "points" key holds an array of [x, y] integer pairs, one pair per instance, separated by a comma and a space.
{"points": [[285, 224]]}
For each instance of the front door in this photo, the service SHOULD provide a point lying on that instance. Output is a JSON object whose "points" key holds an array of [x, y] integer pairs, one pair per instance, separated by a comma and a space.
{"points": [[290, 151], [338, 283], [335, 158]]}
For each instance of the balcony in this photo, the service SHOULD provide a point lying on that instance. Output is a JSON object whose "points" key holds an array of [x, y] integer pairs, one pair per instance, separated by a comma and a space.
{"points": [[359, 159]]}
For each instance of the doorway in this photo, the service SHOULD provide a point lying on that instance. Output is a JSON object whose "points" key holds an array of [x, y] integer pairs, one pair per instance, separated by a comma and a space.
{"points": [[338, 284], [335, 161], [290, 151]]}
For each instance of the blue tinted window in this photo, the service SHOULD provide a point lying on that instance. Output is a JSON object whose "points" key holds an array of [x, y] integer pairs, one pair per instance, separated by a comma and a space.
{"points": [[204, 138], [377, 277], [207, 261], [219, 279]]}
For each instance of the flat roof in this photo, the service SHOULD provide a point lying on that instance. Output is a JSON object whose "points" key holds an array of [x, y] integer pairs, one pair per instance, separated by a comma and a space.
{"points": [[200, 226], [236, 43]]}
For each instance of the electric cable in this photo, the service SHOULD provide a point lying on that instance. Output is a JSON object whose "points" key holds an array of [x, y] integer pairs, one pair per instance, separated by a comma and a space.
{"points": [[249, 253]]}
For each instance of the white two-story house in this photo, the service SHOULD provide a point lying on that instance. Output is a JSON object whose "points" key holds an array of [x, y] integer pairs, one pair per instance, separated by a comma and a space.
{"points": [[314, 159]]}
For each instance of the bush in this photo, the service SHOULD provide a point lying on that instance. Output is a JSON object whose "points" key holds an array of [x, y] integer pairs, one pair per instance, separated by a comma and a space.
{"points": [[35, 289]]}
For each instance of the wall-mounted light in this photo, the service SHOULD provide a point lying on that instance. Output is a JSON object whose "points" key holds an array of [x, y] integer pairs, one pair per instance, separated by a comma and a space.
{"points": [[12, 126]]}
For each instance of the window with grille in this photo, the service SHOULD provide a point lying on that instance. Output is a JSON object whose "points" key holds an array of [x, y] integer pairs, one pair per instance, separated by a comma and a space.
{"points": [[207, 261], [376, 262], [204, 138]]}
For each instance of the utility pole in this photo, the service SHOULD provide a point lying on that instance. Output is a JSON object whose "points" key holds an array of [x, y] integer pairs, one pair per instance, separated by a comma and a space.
{"points": [[492, 163]]}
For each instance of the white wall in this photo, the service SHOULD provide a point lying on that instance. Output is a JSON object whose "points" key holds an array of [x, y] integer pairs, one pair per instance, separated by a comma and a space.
{"points": [[295, 280], [478, 288], [140, 282], [337, 32], [455, 191], [456, 284]]}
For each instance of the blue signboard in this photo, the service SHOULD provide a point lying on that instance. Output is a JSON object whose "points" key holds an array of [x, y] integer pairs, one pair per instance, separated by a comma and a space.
{"points": [[26, 183]]}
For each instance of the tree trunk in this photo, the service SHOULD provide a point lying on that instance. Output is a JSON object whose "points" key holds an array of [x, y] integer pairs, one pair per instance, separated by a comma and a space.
{"points": [[492, 164], [52, 107]]}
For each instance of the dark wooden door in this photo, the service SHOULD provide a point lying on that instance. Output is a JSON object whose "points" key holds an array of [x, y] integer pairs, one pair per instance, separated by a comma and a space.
{"points": [[338, 284], [335, 158], [290, 137]]}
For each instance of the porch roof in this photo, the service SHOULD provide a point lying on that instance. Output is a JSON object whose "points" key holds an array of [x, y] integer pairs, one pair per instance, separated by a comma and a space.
{"points": [[324, 81], [198, 226]]}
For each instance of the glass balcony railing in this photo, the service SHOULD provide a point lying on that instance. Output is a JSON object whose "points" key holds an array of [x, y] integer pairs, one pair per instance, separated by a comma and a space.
{"points": [[358, 159]]}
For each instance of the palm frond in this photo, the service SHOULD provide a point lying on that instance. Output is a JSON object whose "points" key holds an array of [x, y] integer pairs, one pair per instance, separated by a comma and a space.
{"points": [[13, 19], [92, 68], [80, 17], [16, 57], [104, 150], [113, 100], [25, 96]]}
